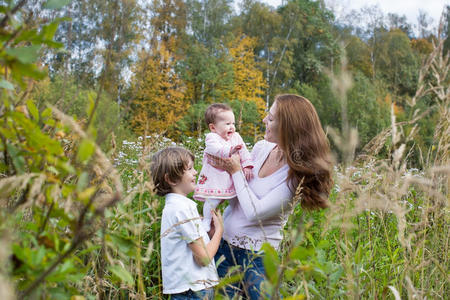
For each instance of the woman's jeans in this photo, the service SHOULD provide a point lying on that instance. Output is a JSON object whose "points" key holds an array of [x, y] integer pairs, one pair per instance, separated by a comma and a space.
{"points": [[206, 294], [250, 264]]}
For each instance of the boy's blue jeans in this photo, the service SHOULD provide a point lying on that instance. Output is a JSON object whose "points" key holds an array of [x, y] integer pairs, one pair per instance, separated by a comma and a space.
{"points": [[250, 263], [206, 294]]}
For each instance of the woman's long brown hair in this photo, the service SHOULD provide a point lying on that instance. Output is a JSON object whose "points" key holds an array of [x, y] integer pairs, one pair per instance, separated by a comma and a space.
{"points": [[307, 151]]}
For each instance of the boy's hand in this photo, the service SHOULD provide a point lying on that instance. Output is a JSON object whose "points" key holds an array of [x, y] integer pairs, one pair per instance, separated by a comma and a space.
{"points": [[248, 173], [212, 230], [217, 222], [235, 149]]}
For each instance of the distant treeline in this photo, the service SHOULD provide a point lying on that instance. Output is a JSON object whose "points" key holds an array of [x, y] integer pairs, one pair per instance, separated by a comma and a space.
{"points": [[156, 65]]}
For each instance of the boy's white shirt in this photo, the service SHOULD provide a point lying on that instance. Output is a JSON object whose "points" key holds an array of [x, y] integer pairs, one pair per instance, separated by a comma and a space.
{"points": [[180, 225]]}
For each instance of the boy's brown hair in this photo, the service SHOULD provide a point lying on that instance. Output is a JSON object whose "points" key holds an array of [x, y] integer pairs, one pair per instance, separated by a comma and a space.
{"points": [[212, 111], [172, 161]]}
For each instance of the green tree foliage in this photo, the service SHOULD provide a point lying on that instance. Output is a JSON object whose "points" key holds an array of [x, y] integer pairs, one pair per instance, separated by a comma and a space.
{"points": [[397, 63], [168, 24], [293, 45], [208, 73], [205, 66], [313, 45], [358, 54], [209, 20], [98, 37], [74, 100], [399, 22], [367, 113], [447, 29]]}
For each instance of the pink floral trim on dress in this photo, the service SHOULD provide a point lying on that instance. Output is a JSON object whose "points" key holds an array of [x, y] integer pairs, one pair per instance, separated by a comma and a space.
{"points": [[211, 193]]}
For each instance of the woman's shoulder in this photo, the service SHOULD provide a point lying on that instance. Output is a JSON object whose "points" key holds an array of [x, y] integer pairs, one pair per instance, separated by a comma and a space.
{"points": [[261, 146]]}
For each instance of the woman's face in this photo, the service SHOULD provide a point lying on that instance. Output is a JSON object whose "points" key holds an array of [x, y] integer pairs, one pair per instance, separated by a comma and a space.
{"points": [[271, 123]]}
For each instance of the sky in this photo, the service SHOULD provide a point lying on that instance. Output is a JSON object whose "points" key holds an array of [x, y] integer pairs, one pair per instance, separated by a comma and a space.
{"points": [[410, 8]]}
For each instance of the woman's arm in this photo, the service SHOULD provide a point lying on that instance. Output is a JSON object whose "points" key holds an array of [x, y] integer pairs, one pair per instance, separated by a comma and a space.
{"points": [[203, 254], [233, 164], [272, 204], [245, 156]]}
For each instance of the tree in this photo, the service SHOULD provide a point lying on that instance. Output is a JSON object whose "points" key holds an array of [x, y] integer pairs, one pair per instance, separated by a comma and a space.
{"points": [[205, 66], [367, 113], [312, 43], [119, 32], [99, 38], [423, 22], [77, 33], [396, 62], [447, 29], [159, 93], [168, 24], [264, 23], [208, 73], [209, 20], [421, 46], [399, 22], [248, 85], [248, 82], [375, 28], [358, 54]]}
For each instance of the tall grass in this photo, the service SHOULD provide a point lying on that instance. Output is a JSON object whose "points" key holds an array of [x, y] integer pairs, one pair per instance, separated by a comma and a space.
{"points": [[386, 234]]}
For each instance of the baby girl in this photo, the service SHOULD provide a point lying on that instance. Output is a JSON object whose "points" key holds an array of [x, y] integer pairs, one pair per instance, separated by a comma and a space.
{"points": [[215, 185]]}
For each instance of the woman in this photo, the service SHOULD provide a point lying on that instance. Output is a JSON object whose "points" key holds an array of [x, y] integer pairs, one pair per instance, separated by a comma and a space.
{"points": [[294, 150]]}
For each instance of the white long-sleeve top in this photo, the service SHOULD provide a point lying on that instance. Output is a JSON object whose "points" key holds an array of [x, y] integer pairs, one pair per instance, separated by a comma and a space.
{"points": [[262, 206]]}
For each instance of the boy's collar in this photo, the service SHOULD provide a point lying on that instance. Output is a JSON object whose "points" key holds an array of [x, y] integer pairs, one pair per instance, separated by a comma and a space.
{"points": [[178, 197]]}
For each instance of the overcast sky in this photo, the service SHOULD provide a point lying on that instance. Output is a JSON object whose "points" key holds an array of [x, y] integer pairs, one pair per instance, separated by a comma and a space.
{"points": [[410, 8]]}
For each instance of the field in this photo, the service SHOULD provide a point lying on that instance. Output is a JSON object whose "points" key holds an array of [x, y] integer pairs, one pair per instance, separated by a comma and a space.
{"points": [[78, 218]]}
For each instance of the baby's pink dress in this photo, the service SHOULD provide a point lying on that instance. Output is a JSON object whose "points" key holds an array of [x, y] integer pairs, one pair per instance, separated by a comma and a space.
{"points": [[215, 183]]}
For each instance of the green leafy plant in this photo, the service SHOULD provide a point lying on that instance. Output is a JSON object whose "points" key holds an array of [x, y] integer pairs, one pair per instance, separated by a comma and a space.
{"points": [[56, 184]]}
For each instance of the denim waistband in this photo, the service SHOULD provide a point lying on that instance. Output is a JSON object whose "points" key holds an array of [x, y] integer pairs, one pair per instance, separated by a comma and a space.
{"points": [[191, 292]]}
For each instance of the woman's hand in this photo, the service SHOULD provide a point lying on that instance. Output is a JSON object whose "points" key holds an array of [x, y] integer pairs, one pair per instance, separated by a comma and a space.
{"points": [[231, 165]]}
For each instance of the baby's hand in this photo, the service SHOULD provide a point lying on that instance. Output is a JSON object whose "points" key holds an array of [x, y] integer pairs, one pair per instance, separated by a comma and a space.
{"points": [[235, 149], [248, 173]]}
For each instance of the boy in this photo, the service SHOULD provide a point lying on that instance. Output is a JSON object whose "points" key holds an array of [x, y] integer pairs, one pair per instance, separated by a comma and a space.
{"points": [[187, 253]]}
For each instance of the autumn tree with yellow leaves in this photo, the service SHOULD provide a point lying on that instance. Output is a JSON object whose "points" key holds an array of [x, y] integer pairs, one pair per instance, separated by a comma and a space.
{"points": [[248, 81], [159, 93]]}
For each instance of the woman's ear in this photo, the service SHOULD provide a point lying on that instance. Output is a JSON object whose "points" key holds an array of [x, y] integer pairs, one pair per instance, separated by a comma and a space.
{"points": [[170, 182]]}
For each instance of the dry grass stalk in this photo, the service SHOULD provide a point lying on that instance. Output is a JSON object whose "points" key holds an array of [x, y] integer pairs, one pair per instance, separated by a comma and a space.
{"points": [[6, 287], [105, 167]]}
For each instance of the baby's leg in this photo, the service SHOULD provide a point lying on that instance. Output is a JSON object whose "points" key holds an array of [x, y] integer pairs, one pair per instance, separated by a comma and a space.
{"points": [[207, 216]]}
